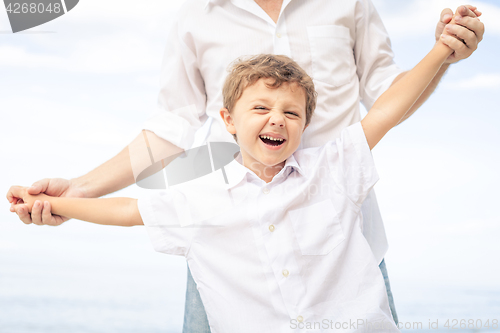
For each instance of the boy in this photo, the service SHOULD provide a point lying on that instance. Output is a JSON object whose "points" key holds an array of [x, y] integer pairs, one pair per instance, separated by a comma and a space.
{"points": [[278, 246]]}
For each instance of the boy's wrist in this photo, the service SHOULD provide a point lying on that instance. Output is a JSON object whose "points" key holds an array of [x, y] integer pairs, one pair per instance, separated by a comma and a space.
{"points": [[441, 50]]}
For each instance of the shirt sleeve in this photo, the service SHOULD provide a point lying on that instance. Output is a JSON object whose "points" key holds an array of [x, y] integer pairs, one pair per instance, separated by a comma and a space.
{"points": [[351, 163], [164, 214], [373, 53], [182, 99]]}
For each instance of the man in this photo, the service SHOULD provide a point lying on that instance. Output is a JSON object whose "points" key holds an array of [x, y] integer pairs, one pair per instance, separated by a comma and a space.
{"points": [[342, 44]]}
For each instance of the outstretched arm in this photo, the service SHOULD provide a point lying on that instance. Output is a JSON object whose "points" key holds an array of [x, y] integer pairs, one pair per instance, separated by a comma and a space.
{"points": [[107, 211], [393, 105]]}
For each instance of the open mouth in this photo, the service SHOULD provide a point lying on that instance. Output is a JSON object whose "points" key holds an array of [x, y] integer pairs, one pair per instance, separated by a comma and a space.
{"points": [[271, 141]]}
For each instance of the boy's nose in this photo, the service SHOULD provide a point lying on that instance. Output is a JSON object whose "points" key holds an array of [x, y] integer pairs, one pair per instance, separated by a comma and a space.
{"points": [[277, 120]]}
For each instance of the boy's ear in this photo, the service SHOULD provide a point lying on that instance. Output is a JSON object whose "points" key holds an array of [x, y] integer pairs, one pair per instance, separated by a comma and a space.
{"points": [[228, 120]]}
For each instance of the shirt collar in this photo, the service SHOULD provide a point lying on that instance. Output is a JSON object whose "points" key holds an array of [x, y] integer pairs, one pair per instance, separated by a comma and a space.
{"points": [[235, 171], [208, 2], [291, 162]]}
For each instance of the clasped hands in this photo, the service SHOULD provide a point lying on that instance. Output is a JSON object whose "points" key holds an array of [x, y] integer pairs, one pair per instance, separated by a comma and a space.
{"points": [[464, 35], [19, 195]]}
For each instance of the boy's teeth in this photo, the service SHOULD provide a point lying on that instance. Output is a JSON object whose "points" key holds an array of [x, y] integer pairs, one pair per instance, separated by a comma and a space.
{"points": [[270, 138]]}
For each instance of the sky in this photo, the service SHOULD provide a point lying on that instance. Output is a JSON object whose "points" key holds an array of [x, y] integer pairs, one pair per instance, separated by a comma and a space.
{"points": [[74, 91]]}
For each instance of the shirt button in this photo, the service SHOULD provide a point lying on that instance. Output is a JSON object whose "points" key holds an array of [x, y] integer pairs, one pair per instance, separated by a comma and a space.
{"points": [[265, 190], [271, 228], [285, 273], [278, 35], [300, 319]]}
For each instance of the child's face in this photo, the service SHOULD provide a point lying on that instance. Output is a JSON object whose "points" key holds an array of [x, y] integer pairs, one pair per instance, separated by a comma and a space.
{"points": [[279, 113]]}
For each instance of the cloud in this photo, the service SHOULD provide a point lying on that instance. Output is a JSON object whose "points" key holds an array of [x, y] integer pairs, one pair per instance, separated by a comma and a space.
{"points": [[121, 53], [63, 125], [11, 56], [480, 81], [96, 37], [123, 9], [419, 18], [118, 53]]}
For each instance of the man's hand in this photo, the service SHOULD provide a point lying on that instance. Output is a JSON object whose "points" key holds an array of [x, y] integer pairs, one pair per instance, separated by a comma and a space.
{"points": [[41, 211], [464, 36]]}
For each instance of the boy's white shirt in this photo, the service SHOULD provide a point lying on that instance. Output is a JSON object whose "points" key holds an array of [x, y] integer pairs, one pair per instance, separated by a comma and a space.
{"points": [[266, 256], [342, 44]]}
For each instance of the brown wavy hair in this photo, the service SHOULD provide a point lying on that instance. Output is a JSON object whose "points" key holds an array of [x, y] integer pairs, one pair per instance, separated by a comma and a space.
{"points": [[244, 72]]}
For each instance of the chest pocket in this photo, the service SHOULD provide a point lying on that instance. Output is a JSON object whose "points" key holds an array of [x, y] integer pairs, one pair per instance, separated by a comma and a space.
{"points": [[317, 228], [331, 54]]}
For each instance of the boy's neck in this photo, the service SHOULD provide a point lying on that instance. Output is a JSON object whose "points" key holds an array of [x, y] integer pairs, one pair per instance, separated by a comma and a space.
{"points": [[264, 172]]}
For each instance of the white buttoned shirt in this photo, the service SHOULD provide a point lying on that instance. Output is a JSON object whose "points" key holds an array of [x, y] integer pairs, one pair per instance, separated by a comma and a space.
{"points": [[283, 256], [342, 44]]}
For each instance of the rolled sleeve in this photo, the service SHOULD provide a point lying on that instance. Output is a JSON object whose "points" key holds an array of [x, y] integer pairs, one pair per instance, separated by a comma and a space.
{"points": [[177, 127]]}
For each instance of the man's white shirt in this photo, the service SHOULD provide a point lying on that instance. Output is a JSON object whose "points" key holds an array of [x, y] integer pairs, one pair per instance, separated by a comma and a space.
{"points": [[343, 45], [283, 256]]}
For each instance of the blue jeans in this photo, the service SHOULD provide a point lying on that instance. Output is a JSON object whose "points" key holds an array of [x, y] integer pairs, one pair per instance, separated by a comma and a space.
{"points": [[195, 317], [383, 269]]}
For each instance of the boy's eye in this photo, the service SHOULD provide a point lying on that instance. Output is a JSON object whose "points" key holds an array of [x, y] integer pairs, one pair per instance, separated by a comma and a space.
{"points": [[292, 113], [259, 108]]}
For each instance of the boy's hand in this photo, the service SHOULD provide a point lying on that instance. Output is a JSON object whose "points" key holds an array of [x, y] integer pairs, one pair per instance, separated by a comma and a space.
{"points": [[464, 35], [18, 195], [41, 212]]}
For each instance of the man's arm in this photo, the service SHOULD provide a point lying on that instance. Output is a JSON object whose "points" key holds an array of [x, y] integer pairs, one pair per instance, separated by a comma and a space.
{"points": [[123, 169], [393, 105], [113, 175], [462, 37], [108, 211]]}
